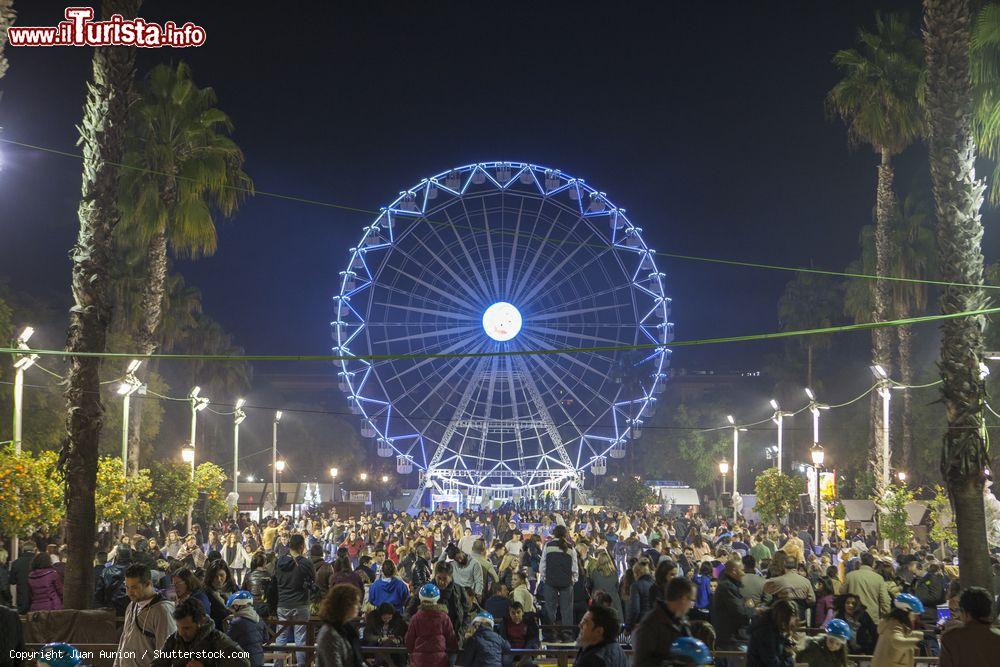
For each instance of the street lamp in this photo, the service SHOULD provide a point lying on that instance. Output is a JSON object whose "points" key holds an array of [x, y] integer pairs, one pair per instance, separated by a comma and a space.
{"points": [[902, 476], [280, 465], [131, 385], [274, 459], [724, 470], [187, 455], [238, 416], [817, 454], [778, 418], [736, 461], [22, 363], [884, 384], [333, 473], [364, 477], [814, 408], [385, 478]]}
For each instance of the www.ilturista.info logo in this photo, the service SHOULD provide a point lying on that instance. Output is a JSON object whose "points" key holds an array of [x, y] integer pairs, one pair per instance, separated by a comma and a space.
{"points": [[79, 29]]}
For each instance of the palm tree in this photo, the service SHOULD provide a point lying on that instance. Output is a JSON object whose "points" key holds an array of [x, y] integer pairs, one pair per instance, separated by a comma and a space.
{"points": [[7, 16], [810, 301], [102, 134], [958, 196], [986, 98], [188, 170], [878, 100], [914, 257]]}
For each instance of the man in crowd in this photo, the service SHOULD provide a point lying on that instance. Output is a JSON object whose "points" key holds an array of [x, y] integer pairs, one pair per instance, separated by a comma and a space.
{"points": [[870, 587], [731, 612], [665, 623], [975, 642], [290, 586], [598, 640], [197, 633], [148, 622]]}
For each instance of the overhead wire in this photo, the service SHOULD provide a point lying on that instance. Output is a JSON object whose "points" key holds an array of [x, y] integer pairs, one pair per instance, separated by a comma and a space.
{"points": [[677, 256]]}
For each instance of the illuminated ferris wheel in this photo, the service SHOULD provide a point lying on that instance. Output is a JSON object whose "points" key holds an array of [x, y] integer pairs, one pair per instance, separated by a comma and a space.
{"points": [[509, 258]]}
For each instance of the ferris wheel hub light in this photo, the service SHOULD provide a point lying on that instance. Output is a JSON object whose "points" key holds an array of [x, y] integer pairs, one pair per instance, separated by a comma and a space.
{"points": [[502, 321]]}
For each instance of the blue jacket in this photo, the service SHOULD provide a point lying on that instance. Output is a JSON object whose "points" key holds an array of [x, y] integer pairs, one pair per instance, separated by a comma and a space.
{"points": [[247, 630], [394, 591], [703, 583], [486, 649]]}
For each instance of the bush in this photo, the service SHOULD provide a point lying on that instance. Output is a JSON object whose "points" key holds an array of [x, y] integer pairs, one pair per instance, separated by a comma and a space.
{"points": [[777, 494]]}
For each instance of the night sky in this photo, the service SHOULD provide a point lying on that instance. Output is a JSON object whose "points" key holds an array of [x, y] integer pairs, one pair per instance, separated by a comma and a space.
{"points": [[706, 122]]}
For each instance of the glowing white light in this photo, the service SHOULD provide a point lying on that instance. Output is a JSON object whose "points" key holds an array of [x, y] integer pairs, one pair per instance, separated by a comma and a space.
{"points": [[502, 321]]}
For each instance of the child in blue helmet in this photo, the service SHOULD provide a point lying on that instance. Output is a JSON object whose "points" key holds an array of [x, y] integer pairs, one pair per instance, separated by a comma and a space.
{"points": [[689, 651], [246, 628], [828, 649], [897, 640], [430, 636], [58, 655], [483, 646]]}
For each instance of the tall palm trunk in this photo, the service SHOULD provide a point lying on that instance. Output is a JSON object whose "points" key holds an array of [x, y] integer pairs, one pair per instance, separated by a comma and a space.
{"points": [[904, 334], [152, 314], [958, 197], [885, 204], [102, 132]]}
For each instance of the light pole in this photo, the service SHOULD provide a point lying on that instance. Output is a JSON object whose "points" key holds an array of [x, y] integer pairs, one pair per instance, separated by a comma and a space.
{"points": [[274, 459], [131, 385], [198, 403], [736, 462], [333, 474], [814, 408], [778, 418], [817, 455], [902, 477], [238, 416], [22, 363], [187, 455], [883, 390], [280, 466], [724, 470]]}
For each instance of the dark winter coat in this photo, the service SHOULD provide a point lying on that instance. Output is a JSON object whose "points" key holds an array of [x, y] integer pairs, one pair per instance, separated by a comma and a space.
{"points": [[453, 599], [292, 581], [816, 654], [606, 654], [420, 573], [640, 600], [45, 588], [247, 630], [656, 632], [19, 571], [486, 649], [208, 640], [730, 614], [11, 637], [768, 647], [338, 646], [258, 582], [430, 636]]}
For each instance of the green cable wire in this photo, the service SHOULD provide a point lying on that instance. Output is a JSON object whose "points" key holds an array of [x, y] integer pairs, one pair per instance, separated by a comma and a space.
{"points": [[512, 353], [692, 258]]}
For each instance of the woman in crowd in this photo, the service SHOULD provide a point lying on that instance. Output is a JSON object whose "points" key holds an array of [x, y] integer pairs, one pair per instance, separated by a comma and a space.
{"points": [[338, 643], [218, 587], [772, 636], [186, 585], [45, 586], [604, 578], [897, 641], [236, 555]]}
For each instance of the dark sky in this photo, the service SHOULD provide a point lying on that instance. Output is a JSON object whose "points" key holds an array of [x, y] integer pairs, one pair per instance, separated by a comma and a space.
{"points": [[704, 120]]}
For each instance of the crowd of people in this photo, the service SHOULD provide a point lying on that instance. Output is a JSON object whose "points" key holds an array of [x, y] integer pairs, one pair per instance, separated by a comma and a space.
{"points": [[473, 588]]}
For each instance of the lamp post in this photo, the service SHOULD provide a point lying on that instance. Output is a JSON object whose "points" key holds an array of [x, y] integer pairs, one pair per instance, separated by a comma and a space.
{"points": [[187, 455], [724, 470], [883, 390], [814, 408], [22, 363], [333, 474], [198, 403], [736, 462], [778, 418], [131, 385], [274, 460], [238, 416], [817, 454], [902, 477]]}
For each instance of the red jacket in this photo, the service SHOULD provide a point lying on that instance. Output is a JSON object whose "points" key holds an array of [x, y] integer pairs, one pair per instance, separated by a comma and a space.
{"points": [[430, 636]]}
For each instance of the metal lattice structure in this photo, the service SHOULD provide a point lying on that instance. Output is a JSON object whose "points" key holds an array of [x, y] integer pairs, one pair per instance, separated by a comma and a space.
{"points": [[552, 256]]}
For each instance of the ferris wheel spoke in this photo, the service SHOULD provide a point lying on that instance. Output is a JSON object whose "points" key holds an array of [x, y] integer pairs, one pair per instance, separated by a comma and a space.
{"points": [[447, 376], [539, 283], [477, 274], [437, 290], [548, 344], [489, 250], [512, 262], [447, 267], [527, 271], [529, 299], [444, 314], [539, 361], [574, 335]]}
